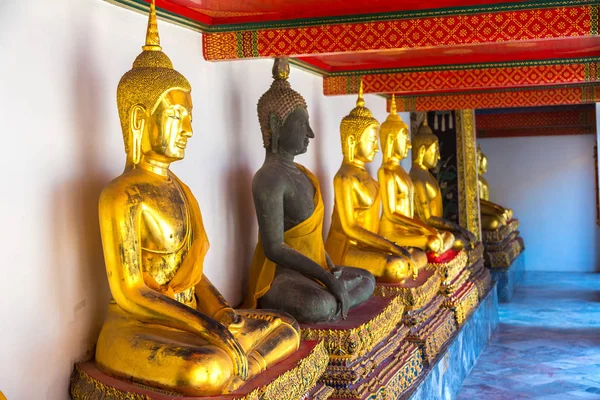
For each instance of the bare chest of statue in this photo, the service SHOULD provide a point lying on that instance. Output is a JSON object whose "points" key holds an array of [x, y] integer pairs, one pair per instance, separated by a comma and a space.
{"points": [[365, 190], [299, 198], [405, 192], [164, 229], [434, 195]]}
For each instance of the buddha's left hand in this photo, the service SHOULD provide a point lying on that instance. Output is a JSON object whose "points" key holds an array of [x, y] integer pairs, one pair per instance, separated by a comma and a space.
{"points": [[230, 318]]}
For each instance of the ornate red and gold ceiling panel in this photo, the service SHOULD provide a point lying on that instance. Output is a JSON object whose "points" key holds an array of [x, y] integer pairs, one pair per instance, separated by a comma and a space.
{"points": [[448, 78], [494, 24], [437, 55], [549, 131], [525, 97], [583, 116], [539, 121]]}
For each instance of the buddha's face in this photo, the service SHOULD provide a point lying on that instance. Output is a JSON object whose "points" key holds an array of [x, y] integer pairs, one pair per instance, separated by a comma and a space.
{"points": [[367, 147], [295, 134], [170, 126], [432, 155], [402, 143]]}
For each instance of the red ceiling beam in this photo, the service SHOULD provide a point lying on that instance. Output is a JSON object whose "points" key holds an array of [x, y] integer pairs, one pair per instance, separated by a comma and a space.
{"points": [[525, 132], [468, 77], [526, 97], [337, 36]]}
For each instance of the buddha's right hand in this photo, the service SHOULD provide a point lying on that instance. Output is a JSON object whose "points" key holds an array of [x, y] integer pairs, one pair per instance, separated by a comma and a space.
{"points": [[338, 290], [233, 350], [435, 243]]}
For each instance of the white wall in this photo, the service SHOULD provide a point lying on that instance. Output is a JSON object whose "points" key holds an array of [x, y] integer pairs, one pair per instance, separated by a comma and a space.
{"points": [[549, 183], [62, 61]]}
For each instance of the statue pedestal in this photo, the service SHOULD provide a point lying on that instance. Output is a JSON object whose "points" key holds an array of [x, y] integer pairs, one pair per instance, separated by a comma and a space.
{"points": [[293, 378], [503, 256], [460, 293], [508, 278], [369, 357], [430, 325], [444, 377]]}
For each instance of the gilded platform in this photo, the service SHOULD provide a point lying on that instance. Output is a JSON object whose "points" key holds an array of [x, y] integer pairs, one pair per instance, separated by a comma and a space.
{"points": [[475, 254], [430, 325], [389, 379], [366, 327], [434, 332], [459, 292], [463, 301], [481, 277], [368, 353], [414, 294], [450, 268], [499, 234], [444, 376], [294, 378], [504, 258]]}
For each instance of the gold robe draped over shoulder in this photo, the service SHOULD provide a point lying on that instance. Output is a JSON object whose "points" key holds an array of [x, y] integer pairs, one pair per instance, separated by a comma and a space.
{"points": [[306, 238], [189, 273]]}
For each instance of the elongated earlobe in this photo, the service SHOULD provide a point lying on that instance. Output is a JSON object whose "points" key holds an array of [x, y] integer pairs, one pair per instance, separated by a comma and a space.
{"points": [[137, 124]]}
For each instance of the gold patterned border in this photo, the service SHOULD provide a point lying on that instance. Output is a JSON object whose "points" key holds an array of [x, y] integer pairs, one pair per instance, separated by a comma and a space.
{"points": [[466, 156], [346, 374], [322, 392], [84, 387], [475, 254], [431, 337], [349, 344], [481, 277], [463, 303], [501, 233], [504, 259], [412, 298], [450, 270], [449, 288]]}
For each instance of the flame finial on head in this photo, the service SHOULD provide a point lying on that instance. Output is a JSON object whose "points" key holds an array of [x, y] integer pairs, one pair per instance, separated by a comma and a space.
{"points": [[393, 109], [152, 37], [360, 101]]}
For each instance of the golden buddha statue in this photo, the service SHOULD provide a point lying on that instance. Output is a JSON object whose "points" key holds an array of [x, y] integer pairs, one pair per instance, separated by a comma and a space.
{"points": [[168, 327], [398, 223], [493, 216], [428, 196], [353, 237]]}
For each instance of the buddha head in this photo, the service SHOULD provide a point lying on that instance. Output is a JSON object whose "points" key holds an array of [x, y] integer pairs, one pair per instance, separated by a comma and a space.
{"points": [[482, 163], [155, 104], [359, 131], [395, 140], [283, 115], [426, 147]]}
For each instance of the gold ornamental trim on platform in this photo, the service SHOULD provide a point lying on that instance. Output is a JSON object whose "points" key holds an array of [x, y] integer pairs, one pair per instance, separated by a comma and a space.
{"points": [[293, 384], [466, 156], [474, 255], [349, 344], [501, 233], [412, 298], [450, 270], [463, 303], [432, 337], [504, 259]]}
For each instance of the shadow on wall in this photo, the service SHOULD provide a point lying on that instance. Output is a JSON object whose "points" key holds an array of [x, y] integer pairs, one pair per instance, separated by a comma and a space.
{"points": [[318, 148], [239, 189], [79, 285]]}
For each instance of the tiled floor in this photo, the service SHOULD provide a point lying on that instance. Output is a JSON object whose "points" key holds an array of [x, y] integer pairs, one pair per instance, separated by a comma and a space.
{"points": [[547, 345]]}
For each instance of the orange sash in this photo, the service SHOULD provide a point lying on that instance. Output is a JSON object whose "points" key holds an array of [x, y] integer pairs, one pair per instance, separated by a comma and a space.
{"points": [[306, 237]]}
